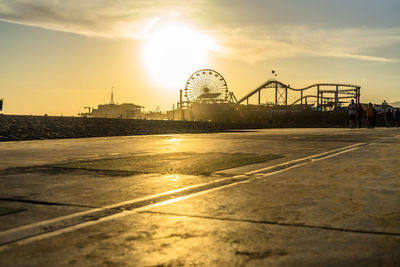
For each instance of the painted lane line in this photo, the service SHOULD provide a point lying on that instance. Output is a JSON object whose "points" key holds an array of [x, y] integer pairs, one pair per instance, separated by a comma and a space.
{"points": [[39, 230], [26, 231], [306, 159]]}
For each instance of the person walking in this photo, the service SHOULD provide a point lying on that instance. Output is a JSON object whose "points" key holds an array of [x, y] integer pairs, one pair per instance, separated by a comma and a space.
{"points": [[374, 117], [352, 114], [397, 117], [387, 118], [360, 115], [370, 114], [392, 120]]}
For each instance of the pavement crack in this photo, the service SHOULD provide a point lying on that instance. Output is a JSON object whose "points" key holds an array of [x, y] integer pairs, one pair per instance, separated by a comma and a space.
{"points": [[38, 202], [181, 236], [261, 254], [329, 228]]}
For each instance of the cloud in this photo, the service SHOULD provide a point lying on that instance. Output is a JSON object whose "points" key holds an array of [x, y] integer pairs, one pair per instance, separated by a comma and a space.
{"points": [[254, 44], [135, 19], [113, 19]]}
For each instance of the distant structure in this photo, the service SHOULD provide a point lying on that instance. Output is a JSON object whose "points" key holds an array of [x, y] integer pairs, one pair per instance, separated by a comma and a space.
{"points": [[320, 96], [113, 110], [206, 97], [208, 87]]}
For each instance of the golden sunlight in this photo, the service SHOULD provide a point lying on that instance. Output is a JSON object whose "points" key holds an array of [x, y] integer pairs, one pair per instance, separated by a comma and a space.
{"points": [[173, 51]]}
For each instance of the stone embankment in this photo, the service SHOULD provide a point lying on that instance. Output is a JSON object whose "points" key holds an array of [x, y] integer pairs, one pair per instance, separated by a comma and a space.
{"points": [[18, 127], [14, 127]]}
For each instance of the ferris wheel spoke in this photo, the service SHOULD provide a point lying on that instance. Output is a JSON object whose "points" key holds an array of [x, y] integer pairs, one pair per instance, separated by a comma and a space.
{"points": [[198, 80], [202, 78], [195, 82], [193, 93]]}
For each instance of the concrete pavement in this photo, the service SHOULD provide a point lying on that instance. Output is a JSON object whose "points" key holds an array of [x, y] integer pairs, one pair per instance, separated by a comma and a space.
{"points": [[332, 198]]}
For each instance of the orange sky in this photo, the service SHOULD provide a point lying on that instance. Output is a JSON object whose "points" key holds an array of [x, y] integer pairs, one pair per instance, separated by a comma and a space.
{"points": [[68, 55]]}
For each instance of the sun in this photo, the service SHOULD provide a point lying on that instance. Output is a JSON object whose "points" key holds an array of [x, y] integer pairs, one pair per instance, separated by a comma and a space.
{"points": [[173, 51]]}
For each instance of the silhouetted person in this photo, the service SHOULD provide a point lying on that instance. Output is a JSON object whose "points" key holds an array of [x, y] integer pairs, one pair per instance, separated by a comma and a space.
{"points": [[390, 118], [397, 117], [387, 118], [360, 115], [374, 118], [370, 115], [352, 114]]}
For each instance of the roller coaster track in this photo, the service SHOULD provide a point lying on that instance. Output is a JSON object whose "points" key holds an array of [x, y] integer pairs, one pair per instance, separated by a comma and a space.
{"points": [[350, 89]]}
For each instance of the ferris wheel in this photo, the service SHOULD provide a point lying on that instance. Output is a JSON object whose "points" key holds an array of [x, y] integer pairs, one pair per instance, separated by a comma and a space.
{"points": [[206, 85]]}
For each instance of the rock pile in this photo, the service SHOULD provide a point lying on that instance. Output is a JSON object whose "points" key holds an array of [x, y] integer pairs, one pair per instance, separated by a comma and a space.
{"points": [[14, 127]]}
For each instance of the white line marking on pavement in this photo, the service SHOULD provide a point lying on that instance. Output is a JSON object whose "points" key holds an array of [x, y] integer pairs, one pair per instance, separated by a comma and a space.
{"points": [[45, 229], [306, 158]]}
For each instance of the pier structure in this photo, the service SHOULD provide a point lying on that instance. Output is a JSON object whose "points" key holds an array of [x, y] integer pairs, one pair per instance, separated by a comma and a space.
{"points": [[209, 87]]}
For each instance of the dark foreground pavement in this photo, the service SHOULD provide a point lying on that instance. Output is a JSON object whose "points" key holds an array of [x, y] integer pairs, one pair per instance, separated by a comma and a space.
{"points": [[288, 197]]}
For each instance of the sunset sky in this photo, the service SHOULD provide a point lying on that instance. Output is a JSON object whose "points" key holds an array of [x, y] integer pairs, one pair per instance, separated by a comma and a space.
{"points": [[57, 57]]}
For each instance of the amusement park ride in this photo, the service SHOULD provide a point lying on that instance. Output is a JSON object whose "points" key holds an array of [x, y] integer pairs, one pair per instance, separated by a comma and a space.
{"points": [[207, 86]]}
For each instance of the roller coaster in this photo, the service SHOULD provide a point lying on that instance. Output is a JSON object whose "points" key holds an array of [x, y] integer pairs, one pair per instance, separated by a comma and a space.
{"points": [[325, 95]]}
